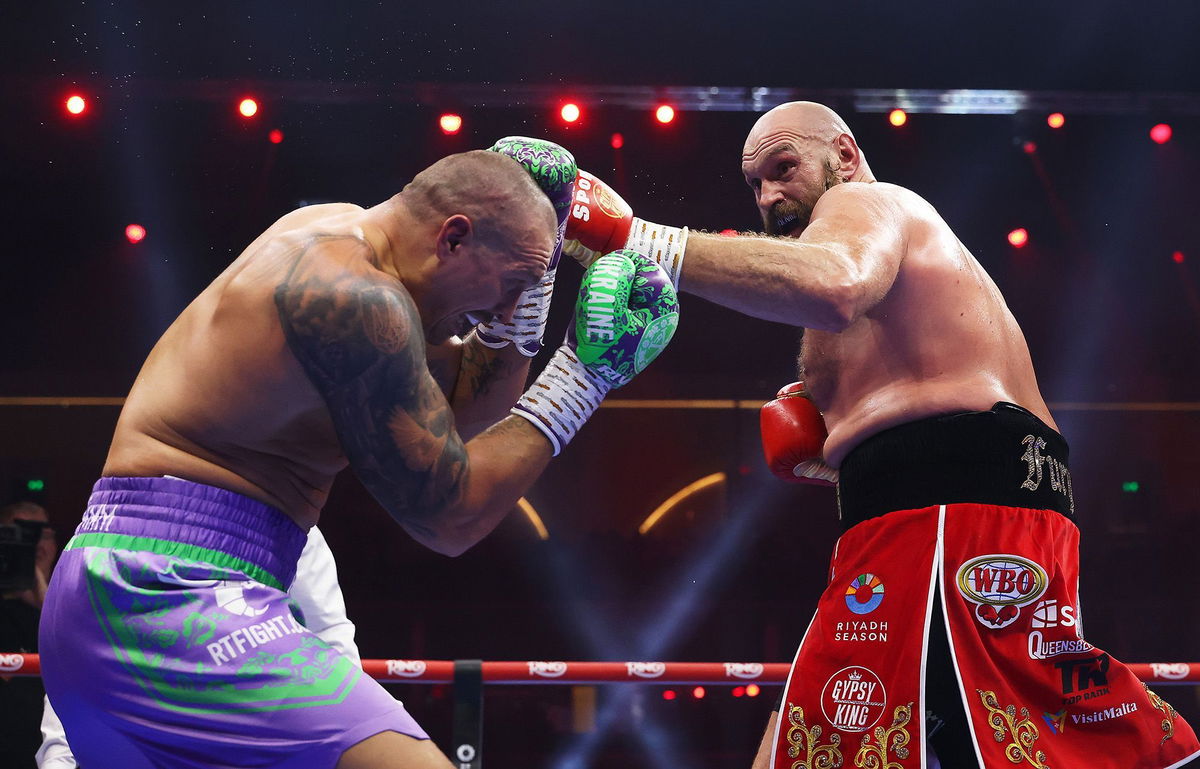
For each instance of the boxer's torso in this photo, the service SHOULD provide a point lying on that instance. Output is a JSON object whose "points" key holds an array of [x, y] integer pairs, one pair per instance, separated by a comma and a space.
{"points": [[941, 340], [221, 399]]}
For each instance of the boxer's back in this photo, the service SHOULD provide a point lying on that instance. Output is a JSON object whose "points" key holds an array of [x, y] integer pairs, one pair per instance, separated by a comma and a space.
{"points": [[221, 399], [941, 340]]}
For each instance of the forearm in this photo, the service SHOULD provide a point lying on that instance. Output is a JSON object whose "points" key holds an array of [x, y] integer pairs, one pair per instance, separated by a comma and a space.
{"points": [[786, 281], [489, 382], [762, 760]]}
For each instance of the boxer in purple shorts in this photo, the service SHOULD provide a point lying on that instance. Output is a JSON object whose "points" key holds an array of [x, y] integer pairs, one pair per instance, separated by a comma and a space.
{"points": [[394, 340]]}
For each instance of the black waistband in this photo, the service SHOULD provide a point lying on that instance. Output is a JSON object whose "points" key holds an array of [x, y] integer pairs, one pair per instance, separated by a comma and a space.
{"points": [[1005, 456]]}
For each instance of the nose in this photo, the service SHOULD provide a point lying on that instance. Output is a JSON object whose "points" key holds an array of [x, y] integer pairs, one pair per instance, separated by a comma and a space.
{"points": [[770, 194]]}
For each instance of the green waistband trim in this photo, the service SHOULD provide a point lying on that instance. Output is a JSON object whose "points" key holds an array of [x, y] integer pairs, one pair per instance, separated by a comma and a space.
{"points": [[177, 550]]}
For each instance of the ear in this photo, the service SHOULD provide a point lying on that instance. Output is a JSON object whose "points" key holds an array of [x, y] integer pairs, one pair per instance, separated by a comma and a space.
{"points": [[454, 232], [849, 156]]}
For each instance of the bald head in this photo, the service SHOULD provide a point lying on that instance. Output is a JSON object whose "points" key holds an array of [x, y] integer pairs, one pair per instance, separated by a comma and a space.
{"points": [[494, 191], [802, 120]]}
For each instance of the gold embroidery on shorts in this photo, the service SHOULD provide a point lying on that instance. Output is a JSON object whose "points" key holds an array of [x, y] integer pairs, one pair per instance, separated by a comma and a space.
{"points": [[802, 738], [892, 739], [1168, 724], [1023, 732]]}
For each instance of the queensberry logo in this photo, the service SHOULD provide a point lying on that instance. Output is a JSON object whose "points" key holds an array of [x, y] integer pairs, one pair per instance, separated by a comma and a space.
{"points": [[999, 584]]}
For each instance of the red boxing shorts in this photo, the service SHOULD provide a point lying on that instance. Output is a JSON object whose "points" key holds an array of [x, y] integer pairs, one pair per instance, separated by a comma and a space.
{"points": [[952, 617]]}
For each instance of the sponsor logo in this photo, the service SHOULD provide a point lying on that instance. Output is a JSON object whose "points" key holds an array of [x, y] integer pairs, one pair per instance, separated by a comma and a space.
{"points": [[11, 662], [1056, 721], [743, 669], [547, 669], [853, 699], [97, 518], [861, 631], [1172, 671], [646, 669], [864, 594], [231, 596], [1084, 679], [1040, 648], [406, 668], [233, 645], [1104, 715], [1039, 464], [1051, 614], [999, 584]]}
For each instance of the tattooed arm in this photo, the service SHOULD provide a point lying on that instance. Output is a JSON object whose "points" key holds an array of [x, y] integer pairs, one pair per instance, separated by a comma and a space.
{"points": [[481, 383], [357, 334]]}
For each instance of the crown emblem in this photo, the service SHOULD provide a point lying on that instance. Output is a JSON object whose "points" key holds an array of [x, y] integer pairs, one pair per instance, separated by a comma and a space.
{"points": [[854, 675]]}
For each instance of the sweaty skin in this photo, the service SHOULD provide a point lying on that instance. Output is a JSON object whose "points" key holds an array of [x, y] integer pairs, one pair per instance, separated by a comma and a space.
{"points": [[901, 322], [314, 350]]}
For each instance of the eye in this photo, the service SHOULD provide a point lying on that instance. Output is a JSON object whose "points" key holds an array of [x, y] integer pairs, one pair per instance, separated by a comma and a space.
{"points": [[755, 184], [785, 167]]}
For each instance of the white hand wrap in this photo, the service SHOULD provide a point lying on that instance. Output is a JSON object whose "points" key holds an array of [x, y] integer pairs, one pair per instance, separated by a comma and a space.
{"points": [[562, 398], [663, 244], [528, 324]]}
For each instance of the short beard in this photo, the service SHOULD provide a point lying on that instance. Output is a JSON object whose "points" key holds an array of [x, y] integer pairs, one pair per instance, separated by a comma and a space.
{"points": [[801, 210]]}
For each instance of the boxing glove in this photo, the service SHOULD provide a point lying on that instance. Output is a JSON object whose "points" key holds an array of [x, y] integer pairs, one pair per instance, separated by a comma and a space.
{"points": [[600, 222], [625, 314], [793, 437]]}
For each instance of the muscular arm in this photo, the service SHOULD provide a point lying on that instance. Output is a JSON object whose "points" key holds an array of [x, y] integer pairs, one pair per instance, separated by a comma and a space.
{"points": [[357, 334], [481, 383], [841, 266]]}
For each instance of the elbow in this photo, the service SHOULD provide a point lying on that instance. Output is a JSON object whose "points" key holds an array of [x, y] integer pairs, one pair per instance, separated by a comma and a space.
{"points": [[834, 311], [448, 541]]}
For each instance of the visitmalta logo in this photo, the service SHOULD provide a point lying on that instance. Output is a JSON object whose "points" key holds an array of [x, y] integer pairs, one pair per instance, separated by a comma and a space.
{"points": [[999, 584]]}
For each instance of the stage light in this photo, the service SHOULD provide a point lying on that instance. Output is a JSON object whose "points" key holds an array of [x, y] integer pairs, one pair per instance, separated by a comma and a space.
{"points": [[1018, 237], [450, 123], [664, 114], [76, 104], [739, 691], [1160, 134], [669, 694], [570, 112], [35, 484], [674, 500], [752, 690], [248, 107], [1029, 148], [538, 525], [698, 692], [135, 233], [1055, 120], [617, 141], [1130, 487], [1178, 257], [276, 136], [729, 233], [897, 117]]}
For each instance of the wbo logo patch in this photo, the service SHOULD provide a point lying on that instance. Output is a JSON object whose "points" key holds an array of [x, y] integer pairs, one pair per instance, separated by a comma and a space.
{"points": [[999, 584]]}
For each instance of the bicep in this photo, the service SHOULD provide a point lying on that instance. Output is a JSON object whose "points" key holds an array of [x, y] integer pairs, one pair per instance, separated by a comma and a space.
{"points": [[358, 336]]}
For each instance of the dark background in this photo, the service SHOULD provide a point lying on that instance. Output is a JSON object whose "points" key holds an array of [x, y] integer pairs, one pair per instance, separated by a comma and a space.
{"points": [[1113, 321]]}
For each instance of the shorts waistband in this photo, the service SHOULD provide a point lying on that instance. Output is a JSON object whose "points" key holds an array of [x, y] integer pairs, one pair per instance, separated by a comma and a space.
{"points": [[137, 513], [1004, 456]]}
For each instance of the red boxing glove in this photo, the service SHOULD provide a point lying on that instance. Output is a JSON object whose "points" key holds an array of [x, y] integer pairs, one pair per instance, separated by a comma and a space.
{"points": [[793, 436], [599, 221]]}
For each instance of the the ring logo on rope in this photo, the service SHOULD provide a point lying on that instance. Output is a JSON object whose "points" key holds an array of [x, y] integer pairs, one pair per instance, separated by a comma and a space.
{"points": [[999, 584], [406, 668], [547, 669], [1172, 671], [743, 669], [11, 662], [646, 669]]}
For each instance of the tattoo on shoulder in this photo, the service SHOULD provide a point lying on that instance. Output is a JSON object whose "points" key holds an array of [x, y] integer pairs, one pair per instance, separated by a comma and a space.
{"points": [[358, 336], [480, 368]]}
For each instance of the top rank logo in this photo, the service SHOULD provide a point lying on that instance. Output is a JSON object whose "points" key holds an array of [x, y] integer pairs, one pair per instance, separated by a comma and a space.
{"points": [[999, 584]]}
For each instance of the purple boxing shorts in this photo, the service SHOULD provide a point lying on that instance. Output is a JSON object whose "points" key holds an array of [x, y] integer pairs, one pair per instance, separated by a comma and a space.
{"points": [[168, 640]]}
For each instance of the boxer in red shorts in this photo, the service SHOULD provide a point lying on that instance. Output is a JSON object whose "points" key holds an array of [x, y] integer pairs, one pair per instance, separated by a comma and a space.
{"points": [[951, 619]]}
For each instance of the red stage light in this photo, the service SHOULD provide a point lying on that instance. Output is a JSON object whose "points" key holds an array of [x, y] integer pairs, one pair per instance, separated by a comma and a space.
{"points": [[1055, 120], [570, 112], [664, 114], [669, 694], [1178, 257], [729, 233], [897, 117], [76, 104], [618, 141], [276, 136], [1161, 133], [1029, 148], [752, 690], [1018, 237], [739, 691], [698, 692], [248, 107], [450, 123], [134, 233]]}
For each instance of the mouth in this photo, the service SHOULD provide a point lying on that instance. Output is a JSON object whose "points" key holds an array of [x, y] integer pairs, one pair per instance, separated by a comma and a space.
{"points": [[787, 224]]}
